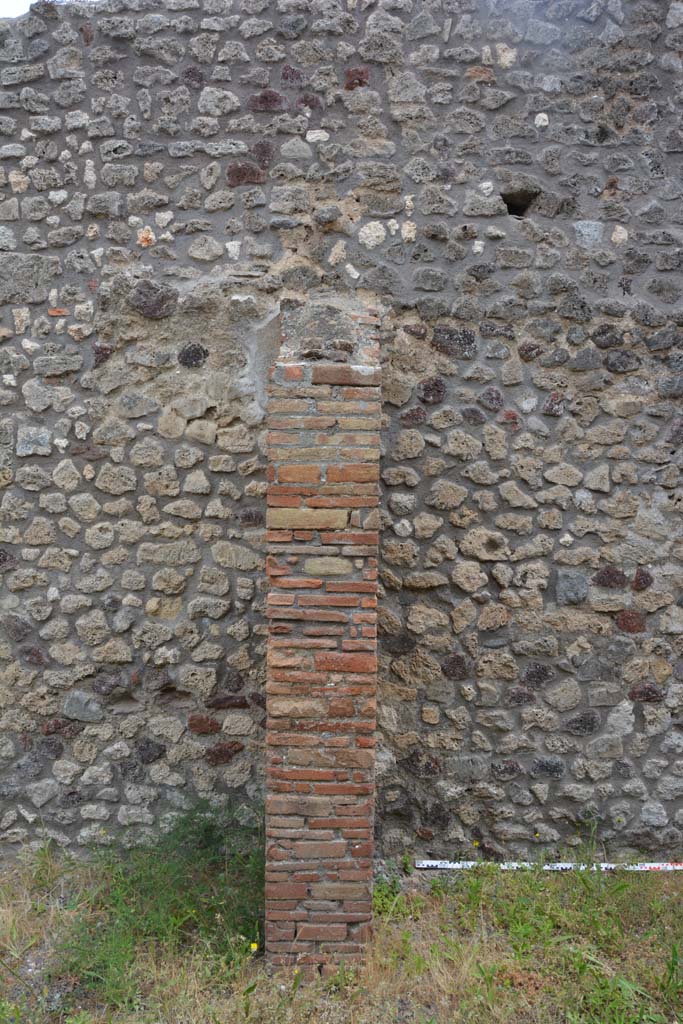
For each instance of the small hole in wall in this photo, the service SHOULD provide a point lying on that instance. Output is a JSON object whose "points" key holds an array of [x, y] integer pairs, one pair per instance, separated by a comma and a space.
{"points": [[518, 202]]}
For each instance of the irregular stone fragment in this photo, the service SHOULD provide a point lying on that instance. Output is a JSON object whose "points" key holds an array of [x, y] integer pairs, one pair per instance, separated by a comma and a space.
{"points": [[485, 545], [153, 299], [81, 707]]}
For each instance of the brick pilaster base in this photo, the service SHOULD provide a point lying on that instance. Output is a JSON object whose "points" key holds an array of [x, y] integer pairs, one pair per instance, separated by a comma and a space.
{"points": [[323, 450]]}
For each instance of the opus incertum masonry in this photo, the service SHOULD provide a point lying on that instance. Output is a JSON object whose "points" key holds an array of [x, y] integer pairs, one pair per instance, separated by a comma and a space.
{"points": [[340, 432]]}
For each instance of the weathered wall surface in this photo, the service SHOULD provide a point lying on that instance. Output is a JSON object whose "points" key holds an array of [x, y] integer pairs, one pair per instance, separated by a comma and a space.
{"points": [[503, 181]]}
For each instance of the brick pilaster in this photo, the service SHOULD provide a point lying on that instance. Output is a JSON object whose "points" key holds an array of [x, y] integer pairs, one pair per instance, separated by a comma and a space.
{"points": [[323, 470]]}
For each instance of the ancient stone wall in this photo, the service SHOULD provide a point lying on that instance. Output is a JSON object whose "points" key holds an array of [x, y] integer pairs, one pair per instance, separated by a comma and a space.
{"points": [[501, 181]]}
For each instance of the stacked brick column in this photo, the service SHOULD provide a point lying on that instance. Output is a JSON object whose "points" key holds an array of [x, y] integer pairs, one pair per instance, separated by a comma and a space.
{"points": [[323, 448]]}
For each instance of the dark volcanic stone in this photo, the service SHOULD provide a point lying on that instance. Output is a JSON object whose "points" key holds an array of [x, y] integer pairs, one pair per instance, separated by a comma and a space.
{"points": [[108, 683], [192, 76], [34, 656], [454, 667], [505, 770], [402, 643], [606, 336], [7, 560], [491, 399], [529, 350], [536, 675], [193, 355], [473, 416], [291, 26], [131, 770], [583, 724], [456, 342], [518, 695], [422, 764], [101, 353], [675, 435], [153, 299], [621, 361], [231, 679], [552, 767], [415, 330], [149, 750], [51, 747], [250, 516], [16, 627]]}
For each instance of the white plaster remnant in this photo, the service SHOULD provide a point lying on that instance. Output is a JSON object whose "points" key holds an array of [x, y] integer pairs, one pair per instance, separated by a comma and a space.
{"points": [[372, 234], [507, 55], [337, 253]]}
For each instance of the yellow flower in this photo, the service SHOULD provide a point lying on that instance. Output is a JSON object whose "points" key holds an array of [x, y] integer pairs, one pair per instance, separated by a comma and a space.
{"points": [[253, 947], [296, 970], [475, 842]]}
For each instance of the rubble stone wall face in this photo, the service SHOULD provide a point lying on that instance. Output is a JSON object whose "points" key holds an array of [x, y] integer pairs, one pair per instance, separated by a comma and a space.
{"points": [[501, 181]]}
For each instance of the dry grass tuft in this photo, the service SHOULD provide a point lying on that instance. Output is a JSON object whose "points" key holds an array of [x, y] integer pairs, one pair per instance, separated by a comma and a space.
{"points": [[484, 947]]}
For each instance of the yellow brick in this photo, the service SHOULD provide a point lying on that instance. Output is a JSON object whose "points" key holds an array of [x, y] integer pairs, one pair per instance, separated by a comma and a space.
{"points": [[306, 519]]}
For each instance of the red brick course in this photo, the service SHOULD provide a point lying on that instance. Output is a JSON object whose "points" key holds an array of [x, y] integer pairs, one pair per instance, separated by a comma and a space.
{"points": [[323, 473]]}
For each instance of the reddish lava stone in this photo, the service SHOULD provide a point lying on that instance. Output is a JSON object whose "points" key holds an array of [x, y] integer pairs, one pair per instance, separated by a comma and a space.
{"points": [[61, 725], [610, 577], [642, 579], [553, 405], [431, 390], [356, 77], [310, 100], [630, 621], [244, 172], [227, 700], [491, 399], [223, 753], [203, 725], [267, 101], [511, 417], [413, 416], [646, 693], [528, 350], [291, 75], [263, 152]]}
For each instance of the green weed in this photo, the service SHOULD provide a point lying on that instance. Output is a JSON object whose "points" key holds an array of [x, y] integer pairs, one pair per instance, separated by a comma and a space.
{"points": [[388, 901], [201, 885]]}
